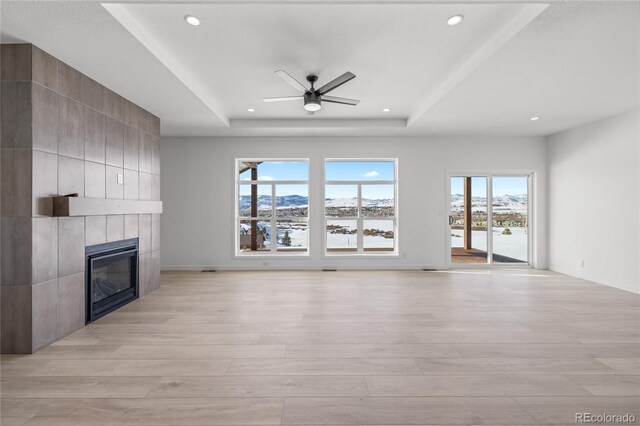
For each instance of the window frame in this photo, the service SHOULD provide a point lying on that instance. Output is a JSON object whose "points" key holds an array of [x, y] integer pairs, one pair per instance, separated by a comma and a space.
{"points": [[360, 250], [273, 219], [532, 214]]}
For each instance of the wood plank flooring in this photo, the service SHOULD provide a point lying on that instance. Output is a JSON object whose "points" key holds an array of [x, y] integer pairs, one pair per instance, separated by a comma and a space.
{"points": [[496, 347]]}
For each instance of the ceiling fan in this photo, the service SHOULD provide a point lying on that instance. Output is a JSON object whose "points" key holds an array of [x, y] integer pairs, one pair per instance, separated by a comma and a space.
{"points": [[313, 97]]}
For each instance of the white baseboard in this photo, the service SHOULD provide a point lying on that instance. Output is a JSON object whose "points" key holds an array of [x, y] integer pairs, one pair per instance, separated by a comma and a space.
{"points": [[295, 268]]}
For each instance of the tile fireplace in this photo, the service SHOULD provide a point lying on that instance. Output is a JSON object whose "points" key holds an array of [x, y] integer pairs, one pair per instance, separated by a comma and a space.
{"points": [[62, 132]]}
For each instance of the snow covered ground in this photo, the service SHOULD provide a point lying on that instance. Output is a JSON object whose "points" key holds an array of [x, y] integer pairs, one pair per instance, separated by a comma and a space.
{"points": [[349, 240], [504, 204], [514, 245], [298, 232]]}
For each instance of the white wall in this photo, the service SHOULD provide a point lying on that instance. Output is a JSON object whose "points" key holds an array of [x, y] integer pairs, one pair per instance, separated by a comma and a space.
{"points": [[594, 205], [198, 194]]}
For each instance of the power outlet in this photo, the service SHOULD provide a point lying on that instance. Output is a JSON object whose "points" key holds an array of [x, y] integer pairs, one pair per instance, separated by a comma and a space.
{"points": [[581, 263], [120, 179]]}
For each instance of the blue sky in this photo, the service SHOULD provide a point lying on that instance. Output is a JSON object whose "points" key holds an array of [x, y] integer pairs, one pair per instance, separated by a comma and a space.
{"points": [[377, 192], [280, 170], [281, 190], [371, 192], [502, 185], [334, 170], [341, 191], [359, 170], [262, 190]]}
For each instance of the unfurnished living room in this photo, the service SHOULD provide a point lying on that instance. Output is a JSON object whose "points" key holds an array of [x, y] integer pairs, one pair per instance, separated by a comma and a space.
{"points": [[327, 212]]}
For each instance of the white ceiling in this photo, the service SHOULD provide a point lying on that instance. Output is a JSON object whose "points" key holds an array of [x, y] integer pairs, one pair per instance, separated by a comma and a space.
{"points": [[569, 63]]}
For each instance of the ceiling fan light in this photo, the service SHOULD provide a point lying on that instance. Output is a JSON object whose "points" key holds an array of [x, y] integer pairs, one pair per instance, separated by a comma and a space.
{"points": [[312, 106]]}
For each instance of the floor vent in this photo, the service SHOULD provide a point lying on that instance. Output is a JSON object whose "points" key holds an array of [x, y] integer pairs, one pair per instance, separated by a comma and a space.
{"points": [[329, 270], [209, 270], [429, 270]]}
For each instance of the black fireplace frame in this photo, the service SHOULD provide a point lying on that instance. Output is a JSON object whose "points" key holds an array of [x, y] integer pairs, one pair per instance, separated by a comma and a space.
{"points": [[110, 251]]}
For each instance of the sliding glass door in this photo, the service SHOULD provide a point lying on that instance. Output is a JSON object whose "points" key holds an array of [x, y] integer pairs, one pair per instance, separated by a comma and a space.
{"points": [[510, 219], [468, 219], [480, 200]]}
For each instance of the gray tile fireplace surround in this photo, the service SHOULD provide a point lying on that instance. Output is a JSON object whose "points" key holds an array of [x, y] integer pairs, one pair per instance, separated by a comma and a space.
{"points": [[61, 133]]}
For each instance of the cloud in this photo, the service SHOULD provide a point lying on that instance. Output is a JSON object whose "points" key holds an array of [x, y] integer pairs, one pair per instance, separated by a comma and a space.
{"points": [[371, 174], [265, 178]]}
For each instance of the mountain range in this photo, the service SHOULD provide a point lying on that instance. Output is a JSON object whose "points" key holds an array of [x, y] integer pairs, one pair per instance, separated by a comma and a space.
{"points": [[503, 199], [264, 201], [287, 201]]}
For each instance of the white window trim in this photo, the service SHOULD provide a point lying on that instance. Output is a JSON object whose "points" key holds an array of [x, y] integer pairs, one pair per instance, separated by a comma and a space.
{"points": [[360, 219], [273, 219]]}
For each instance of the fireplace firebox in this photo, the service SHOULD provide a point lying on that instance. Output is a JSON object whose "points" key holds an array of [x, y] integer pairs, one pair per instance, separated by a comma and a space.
{"points": [[111, 278]]}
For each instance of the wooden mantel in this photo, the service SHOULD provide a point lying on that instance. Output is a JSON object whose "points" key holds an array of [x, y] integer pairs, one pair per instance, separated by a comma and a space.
{"points": [[80, 206]]}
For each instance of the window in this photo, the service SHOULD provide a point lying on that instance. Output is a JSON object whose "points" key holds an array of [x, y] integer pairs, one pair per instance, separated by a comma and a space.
{"points": [[272, 213], [360, 206]]}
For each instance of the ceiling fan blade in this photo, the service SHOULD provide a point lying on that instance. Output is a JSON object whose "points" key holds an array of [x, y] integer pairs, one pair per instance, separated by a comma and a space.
{"points": [[284, 98], [337, 100], [337, 82], [292, 81]]}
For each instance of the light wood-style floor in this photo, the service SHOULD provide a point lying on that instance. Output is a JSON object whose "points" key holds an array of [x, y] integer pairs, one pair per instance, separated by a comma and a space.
{"points": [[243, 348]]}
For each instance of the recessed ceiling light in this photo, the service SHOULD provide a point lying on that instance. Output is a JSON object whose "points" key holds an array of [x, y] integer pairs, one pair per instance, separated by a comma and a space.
{"points": [[455, 20], [192, 20], [386, 109], [251, 110], [535, 118]]}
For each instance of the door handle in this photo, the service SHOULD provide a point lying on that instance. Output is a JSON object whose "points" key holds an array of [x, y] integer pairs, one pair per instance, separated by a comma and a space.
{"points": [[450, 220]]}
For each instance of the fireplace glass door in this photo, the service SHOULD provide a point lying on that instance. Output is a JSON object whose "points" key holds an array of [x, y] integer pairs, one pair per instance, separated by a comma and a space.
{"points": [[112, 278]]}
